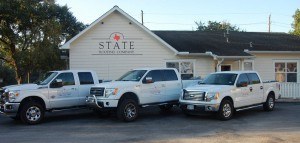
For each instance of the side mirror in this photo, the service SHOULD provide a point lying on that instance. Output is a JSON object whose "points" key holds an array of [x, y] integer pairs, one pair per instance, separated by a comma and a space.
{"points": [[242, 84], [148, 80], [57, 83]]}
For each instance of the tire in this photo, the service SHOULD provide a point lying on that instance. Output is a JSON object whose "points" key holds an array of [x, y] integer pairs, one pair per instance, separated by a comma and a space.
{"points": [[32, 113], [166, 108], [128, 110], [270, 103], [226, 110]]}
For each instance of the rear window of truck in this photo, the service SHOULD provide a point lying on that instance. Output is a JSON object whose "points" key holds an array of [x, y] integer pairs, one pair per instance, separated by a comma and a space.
{"points": [[85, 78]]}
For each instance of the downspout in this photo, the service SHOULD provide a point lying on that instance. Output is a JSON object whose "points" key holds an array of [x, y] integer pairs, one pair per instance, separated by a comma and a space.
{"points": [[219, 64]]}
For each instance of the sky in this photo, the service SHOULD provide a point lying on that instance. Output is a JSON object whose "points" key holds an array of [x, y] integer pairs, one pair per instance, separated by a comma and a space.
{"points": [[248, 15]]}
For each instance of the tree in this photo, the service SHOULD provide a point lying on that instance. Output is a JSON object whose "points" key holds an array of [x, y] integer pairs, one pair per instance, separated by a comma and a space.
{"points": [[31, 32], [216, 26], [296, 23]]}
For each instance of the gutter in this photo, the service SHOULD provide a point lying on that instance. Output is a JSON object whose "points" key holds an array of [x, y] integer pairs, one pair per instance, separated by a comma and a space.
{"points": [[272, 52]]}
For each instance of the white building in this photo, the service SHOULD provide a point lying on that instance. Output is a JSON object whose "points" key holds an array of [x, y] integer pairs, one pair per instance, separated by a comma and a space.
{"points": [[116, 43]]}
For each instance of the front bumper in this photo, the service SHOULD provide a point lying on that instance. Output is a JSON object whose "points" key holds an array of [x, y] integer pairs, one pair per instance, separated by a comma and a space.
{"points": [[9, 109], [101, 104], [199, 108]]}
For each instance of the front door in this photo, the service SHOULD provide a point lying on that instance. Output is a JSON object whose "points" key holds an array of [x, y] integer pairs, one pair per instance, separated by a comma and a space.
{"points": [[225, 67], [65, 96], [152, 92]]}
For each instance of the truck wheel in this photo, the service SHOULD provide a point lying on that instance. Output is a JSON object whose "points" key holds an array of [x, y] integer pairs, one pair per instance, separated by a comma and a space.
{"points": [[270, 103], [165, 108], [128, 110], [226, 110], [32, 113]]}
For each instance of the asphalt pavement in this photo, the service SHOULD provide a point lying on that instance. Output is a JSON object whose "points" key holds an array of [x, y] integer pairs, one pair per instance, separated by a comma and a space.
{"points": [[83, 126]]}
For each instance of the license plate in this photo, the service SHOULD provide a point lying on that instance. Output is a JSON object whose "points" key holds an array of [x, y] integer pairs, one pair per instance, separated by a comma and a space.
{"points": [[190, 107]]}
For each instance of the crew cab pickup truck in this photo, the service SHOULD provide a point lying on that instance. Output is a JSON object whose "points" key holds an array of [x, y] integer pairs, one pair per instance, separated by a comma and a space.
{"points": [[58, 90], [226, 92], [138, 88]]}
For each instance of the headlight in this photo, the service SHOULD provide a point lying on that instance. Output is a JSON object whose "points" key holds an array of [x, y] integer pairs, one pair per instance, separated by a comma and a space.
{"points": [[12, 95], [212, 96], [111, 91]]}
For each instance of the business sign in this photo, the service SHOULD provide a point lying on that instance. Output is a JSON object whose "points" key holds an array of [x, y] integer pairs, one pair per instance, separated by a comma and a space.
{"points": [[117, 44]]}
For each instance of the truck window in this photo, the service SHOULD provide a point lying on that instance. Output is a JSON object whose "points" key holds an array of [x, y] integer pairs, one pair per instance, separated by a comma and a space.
{"points": [[243, 79], [67, 78], [155, 74], [85, 78], [169, 75], [253, 78], [220, 79]]}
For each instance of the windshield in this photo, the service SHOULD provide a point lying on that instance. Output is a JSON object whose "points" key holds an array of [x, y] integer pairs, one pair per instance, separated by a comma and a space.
{"points": [[220, 79], [134, 75], [47, 78]]}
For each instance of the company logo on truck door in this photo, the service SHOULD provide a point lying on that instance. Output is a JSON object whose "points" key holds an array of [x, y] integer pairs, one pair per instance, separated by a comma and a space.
{"points": [[117, 44]]}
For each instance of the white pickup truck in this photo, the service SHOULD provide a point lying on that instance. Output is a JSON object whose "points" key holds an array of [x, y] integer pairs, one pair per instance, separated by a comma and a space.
{"points": [[139, 88], [226, 92], [58, 90]]}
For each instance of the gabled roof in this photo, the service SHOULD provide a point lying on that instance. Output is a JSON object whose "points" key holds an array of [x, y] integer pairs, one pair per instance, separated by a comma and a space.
{"points": [[240, 43], [116, 8]]}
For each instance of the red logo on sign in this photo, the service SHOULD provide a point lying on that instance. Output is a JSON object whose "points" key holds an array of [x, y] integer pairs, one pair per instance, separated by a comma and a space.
{"points": [[117, 37]]}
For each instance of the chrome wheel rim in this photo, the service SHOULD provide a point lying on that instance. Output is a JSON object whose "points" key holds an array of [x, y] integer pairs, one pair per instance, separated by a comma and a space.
{"points": [[226, 110], [271, 102], [130, 111], [33, 113]]}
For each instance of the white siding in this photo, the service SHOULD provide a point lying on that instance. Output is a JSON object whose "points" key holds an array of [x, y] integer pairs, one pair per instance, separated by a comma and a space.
{"points": [[113, 66], [264, 64]]}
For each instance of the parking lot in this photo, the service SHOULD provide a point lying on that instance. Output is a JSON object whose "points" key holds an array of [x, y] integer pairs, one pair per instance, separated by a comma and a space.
{"points": [[255, 125]]}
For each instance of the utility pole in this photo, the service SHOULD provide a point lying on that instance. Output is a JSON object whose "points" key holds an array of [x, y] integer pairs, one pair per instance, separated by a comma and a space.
{"points": [[142, 17], [269, 24]]}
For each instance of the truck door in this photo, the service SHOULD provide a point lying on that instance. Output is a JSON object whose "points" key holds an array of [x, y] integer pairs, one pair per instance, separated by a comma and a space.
{"points": [[242, 92], [256, 88], [152, 91], [173, 86], [65, 95], [86, 81]]}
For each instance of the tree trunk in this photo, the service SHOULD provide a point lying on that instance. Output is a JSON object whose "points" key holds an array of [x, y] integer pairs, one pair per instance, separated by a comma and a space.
{"points": [[17, 75]]}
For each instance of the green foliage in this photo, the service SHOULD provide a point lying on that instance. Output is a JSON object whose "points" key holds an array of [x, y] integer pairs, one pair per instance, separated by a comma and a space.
{"points": [[7, 75], [31, 32], [216, 26], [296, 23]]}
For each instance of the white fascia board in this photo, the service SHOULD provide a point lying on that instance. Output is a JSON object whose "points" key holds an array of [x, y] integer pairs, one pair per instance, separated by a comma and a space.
{"points": [[67, 44], [274, 52], [147, 30], [234, 57], [116, 8]]}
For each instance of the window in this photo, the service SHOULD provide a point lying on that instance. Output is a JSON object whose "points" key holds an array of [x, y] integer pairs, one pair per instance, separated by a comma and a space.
{"points": [[134, 75], [156, 75], [220, 79], [286, 71], [253, 78], [67, 78], [243, 79], [248, 65], [169, 75], [85, 78], [185, 68]]}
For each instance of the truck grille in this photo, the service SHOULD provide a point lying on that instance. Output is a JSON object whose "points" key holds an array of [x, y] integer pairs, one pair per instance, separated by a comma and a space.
{"points": [[194, 95], [97, 91]]}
